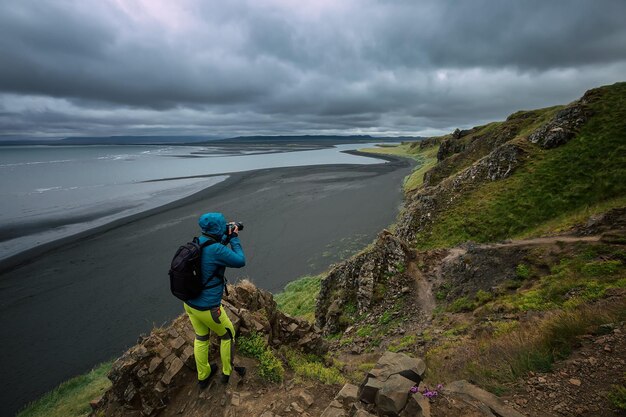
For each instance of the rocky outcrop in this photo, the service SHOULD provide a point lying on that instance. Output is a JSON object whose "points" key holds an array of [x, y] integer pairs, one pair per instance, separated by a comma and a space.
{"points": [[429, 142], [146, 376], [429, 202], [357, 281], [470, 395], [565, 124]]}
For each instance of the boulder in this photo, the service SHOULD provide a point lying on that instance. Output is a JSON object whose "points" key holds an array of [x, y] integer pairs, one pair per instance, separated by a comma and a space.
{"points": [[394, 394], [480, 398], [391, 363], [387, 386], [348, 394]]}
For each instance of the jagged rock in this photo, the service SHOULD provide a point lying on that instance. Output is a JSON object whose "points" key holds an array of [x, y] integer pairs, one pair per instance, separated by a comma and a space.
{"points": [[348, 394], [306, 399], [174, 368], [355, 280], [388, 384], [563, 126], [394, 394], [391, 363], [417, 406], [480, 398], [334, 409]]}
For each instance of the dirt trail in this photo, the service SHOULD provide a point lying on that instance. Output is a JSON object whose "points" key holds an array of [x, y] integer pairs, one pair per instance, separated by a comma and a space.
{"points": [[460, 251], [425, 298]]}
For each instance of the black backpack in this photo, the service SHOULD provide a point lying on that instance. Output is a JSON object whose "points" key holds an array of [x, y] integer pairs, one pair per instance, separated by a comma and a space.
{"points": [[185, 277]]}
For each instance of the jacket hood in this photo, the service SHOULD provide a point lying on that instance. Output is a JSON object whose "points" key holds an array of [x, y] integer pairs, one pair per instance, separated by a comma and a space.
{"points": [[213, 223]]}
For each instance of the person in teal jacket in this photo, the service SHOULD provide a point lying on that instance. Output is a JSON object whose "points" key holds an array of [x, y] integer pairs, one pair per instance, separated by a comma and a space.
{"points": [[205, 311]]}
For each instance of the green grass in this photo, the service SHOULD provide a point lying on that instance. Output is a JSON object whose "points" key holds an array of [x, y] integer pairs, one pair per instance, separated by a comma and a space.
{"points": [[578, 278], [617, 395], [553, 185], [298, 297], [270, 367], [426, 159], [72, 397], [312, 367], [496, 361], [402, 344]]}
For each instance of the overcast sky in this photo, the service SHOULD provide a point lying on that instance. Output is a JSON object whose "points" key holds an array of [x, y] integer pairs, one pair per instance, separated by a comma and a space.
{"points": [[200, 67]]}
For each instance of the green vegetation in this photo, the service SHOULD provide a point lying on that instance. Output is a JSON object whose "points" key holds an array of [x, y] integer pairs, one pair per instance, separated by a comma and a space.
{"points": [[466, 303], [522, 271], [312, 367], [402, 344], [298, 297], [578, 278], [493, 361], [72, 397], [560, 183], [426, 159], [617, 396], [254, 346]]}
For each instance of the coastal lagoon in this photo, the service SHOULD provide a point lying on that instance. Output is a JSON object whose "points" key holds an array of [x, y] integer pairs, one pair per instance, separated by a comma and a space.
{"points": [[51, 192]]}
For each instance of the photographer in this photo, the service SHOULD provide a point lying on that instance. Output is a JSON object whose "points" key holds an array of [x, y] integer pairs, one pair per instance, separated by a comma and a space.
{"points": [[206, 311]]}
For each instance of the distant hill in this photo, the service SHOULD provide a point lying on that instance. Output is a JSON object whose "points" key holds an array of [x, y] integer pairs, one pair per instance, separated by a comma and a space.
{"points": [[205, 140], [133, 140]]}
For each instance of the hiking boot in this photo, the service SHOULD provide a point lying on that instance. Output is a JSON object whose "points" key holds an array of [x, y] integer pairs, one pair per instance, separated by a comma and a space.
{"points": [[241, 371], [205, 382]]}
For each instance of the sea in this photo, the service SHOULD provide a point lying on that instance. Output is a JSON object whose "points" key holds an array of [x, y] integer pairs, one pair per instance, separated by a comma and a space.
{"points": [[51, 192]]}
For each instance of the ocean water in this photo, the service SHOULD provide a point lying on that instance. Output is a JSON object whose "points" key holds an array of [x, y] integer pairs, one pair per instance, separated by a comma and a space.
{"points": [[50, 192]]}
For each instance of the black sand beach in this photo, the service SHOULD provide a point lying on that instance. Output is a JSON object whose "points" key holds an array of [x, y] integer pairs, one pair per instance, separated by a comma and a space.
{"points": [[88, 298]]}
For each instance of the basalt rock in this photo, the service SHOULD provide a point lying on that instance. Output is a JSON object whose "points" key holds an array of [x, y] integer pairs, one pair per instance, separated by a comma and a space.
{"points": [[565, 124], [357, 281], [147, 375], [387, 386]]}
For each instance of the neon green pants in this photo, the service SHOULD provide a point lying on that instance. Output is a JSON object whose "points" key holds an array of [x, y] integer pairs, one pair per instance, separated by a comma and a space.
{"points": [[217, 321]]}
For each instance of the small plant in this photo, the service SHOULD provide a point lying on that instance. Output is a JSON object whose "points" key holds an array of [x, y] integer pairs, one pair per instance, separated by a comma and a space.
{"points": [[364, 331], [483, 297], [312, 367], [385, 318], [462, 304], [403, 343], [522, 271], [254, 346], [617, 396], [427, 392]]}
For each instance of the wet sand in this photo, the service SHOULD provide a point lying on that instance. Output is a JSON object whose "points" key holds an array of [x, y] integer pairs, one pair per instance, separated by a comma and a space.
{"points": [[83, 300]]}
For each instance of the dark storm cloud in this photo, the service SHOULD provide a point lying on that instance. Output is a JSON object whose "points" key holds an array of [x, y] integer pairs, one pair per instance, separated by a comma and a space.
{"points": [[244, 67]]}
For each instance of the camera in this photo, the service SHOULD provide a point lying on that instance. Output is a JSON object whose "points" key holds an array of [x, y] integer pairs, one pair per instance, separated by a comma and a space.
{"points": [[231, 226]]}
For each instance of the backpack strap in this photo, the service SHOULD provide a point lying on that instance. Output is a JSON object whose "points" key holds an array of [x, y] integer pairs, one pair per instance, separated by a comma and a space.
{"points": [[211, 240]]}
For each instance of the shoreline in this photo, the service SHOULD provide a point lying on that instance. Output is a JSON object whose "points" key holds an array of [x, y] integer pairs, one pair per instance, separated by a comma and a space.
{"points": [[23, 258], [88, 297]]}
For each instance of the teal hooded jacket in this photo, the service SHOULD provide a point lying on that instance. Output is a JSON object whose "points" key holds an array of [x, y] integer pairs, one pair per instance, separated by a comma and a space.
{"points": [[215, 259]]}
